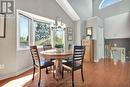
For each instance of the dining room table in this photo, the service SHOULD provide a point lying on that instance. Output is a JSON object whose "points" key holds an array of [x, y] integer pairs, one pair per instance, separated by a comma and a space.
{"points": [[58, 56]]}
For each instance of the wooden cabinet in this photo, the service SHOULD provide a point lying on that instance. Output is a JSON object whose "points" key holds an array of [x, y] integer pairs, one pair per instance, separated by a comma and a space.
{"points": [[89, 53]]}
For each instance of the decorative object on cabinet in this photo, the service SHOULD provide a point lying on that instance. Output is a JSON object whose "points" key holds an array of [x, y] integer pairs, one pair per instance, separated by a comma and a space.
{"points": [[89, 53], [89, 31], [2, 25]]}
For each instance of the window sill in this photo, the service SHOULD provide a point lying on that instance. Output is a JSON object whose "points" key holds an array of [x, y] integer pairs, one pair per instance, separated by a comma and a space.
{"points": [[22, 49], [39, 47], [27, 48]]}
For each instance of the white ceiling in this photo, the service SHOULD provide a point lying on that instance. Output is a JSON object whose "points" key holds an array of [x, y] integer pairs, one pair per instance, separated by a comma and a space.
{"points": [[82, 7], [68, 9]]}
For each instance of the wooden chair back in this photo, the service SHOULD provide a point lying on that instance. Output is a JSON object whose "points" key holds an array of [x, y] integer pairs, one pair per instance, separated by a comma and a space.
{"points": [[35, 55], [47, 47], [78, 54]]}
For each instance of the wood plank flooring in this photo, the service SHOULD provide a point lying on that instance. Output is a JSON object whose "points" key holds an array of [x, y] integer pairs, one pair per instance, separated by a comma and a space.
{"points": [[105, 73]]}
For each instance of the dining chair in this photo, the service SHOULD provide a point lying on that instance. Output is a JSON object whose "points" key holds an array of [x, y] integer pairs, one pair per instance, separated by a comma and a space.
{"points": [[76, 63], [38, 63], [48, 47]]}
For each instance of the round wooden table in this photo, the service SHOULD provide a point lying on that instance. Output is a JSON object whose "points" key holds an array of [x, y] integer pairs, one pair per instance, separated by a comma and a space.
{"points": [[49, 54]]}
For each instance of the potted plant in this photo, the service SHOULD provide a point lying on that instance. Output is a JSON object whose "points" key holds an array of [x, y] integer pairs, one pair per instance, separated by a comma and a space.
{"points": [[59, 47]]}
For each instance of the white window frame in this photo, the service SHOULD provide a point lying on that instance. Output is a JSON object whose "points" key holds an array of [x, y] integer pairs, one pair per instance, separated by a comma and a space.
{"points": [[31, 33], [18, 32], [100, 5]]}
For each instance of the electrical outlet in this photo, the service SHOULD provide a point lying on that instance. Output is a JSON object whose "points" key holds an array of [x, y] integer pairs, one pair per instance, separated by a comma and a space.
{"points": [[2, 66]]}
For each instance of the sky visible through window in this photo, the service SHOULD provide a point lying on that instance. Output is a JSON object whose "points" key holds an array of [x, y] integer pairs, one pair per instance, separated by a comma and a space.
{"points": [[106, 3], [59, 36], [23, 26]]}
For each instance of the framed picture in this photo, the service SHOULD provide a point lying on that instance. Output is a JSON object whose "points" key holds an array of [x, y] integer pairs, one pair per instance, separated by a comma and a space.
{"points": [[69, 34], [70, 37], [69, 30], [2, 25], [89, 31]]}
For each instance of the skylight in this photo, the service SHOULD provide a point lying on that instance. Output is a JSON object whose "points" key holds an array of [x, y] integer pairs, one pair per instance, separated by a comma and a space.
{"points": [[106, 3]]}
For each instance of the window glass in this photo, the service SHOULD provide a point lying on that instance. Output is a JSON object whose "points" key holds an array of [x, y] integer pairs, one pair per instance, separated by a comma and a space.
{"points": [[59, 37], [42, 33], [24, 28]]}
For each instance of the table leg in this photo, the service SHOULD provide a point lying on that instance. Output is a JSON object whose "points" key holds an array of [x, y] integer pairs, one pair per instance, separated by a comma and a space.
{"points": [[58, 65]]}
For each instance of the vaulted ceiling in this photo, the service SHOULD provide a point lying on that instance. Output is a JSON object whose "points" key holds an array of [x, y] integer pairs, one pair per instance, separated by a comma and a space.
{"points": [[77, 9], [82, 7]]}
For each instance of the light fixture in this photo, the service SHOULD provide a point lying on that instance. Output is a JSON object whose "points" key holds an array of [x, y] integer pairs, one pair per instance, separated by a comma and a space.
{"points": [[89, 31], [58, 25]]}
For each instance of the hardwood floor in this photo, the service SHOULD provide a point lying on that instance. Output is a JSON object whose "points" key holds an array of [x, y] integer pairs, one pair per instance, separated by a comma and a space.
{"points": [[105, 73]]}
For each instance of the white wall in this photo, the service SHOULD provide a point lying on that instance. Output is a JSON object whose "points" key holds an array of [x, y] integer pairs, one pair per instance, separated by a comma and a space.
{"points": [[98, 36], [118, 26], [7, 48], [116, 18], [115, 9], [77, 33], [20, 60]]}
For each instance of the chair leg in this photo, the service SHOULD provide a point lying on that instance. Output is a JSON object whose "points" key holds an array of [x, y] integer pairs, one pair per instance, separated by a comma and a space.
{"points": [[72, 78], [39, 78], [33, 73], [53, 71], [62, 72], [46, 70], [82, 74]]}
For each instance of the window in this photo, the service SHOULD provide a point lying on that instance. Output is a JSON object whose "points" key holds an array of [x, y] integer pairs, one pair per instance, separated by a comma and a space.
{"points": [[59, 37], [106, 3], [24, 31], [35, 30], [42, 33], [32, 30]]}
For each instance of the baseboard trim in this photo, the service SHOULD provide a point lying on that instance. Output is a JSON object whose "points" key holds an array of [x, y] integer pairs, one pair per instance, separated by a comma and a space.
{"points": [[15, 73], [96, 60]]}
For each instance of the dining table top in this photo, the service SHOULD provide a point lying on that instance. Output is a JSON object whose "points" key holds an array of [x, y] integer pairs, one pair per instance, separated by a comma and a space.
{"points": [[52, 53]]}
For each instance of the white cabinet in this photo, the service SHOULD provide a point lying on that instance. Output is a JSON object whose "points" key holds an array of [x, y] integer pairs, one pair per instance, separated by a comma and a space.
{"points": [[98, 35]]}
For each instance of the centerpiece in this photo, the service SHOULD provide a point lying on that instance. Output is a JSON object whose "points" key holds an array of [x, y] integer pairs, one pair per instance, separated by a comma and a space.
{"points": [[59, 47]]}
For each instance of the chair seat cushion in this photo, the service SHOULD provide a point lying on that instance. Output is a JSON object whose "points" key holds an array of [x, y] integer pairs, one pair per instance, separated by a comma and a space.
{"points": [[69, 65], [45, 63]]}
